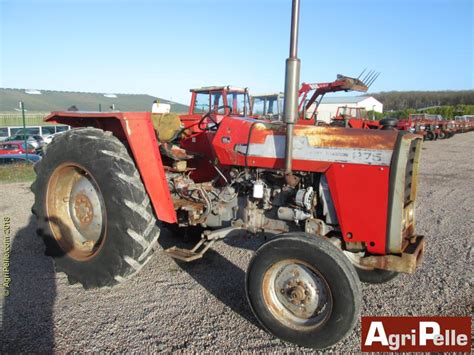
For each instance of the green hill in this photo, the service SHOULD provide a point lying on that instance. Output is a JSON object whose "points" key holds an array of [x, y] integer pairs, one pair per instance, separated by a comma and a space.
{"points": [[48, 101]]}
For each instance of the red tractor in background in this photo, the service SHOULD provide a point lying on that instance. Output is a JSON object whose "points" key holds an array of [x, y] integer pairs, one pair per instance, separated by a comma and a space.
{"points": [[414, 126], [431, 127], [464, 123], [270, 106], [340, 203], [354, 117], [445, 127]]}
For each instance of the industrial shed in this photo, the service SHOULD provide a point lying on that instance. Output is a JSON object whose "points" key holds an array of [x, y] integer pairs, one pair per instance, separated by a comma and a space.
{"points": [[329, 105]]}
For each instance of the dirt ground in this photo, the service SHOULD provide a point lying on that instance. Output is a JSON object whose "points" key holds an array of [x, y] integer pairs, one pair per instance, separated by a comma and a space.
{"points": [[202, 306]]}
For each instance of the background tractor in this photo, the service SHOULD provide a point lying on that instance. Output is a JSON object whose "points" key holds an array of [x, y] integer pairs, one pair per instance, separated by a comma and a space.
{"points": [[354, 117], [270, 106], [340, 203]]}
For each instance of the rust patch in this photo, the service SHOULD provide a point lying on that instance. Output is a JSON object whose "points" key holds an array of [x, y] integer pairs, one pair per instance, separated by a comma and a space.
{"points": [[407, 262], [331, 137], [347, 137]]}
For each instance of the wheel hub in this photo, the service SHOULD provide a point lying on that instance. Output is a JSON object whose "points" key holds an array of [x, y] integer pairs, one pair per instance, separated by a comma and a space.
{"points": [[297, 294], [76, 211], [83, 209]]}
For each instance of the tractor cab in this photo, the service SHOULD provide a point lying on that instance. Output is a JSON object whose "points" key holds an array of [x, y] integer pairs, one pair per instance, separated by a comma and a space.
{"points": [[268, 106], [218, 102]]}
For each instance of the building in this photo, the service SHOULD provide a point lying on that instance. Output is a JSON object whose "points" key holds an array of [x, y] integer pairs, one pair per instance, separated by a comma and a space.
{"points": [[329, 105]]}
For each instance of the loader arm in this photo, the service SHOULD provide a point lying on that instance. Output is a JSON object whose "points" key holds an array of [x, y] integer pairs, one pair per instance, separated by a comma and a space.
{"points": [[342, 83]]}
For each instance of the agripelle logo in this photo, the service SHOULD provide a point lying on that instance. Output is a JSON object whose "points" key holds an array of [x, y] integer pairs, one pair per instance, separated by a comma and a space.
{"points": [[420, 334]]}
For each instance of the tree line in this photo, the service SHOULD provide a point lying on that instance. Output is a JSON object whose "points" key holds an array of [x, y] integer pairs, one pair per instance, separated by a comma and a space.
{"points": [[446, 103], [401, 100]]}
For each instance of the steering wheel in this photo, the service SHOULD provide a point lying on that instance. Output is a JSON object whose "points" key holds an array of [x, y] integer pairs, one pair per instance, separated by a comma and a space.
{"points": [[210, 116]]}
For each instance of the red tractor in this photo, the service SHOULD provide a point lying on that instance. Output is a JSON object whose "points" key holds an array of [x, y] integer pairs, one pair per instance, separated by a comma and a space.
{"points": [[339, 202], [464, 123], [270, 106], [413, 126], [432, 127], [421, 124], [354, 117], [445, 127]]}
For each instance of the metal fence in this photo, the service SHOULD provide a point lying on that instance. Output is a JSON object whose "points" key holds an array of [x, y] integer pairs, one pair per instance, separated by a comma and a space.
{"points": [[14, 119]]}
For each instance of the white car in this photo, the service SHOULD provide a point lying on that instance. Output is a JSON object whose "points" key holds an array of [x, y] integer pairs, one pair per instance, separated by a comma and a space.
{"points": [[49, 138]]}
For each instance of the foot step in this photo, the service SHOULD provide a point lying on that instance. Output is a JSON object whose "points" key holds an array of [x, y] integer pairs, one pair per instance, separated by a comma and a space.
{"points": [[188, 255], [207, 240]]}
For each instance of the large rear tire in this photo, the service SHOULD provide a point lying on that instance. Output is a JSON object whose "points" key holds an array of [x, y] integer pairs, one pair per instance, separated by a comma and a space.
{"points": [[303, 290], [93, 212]]}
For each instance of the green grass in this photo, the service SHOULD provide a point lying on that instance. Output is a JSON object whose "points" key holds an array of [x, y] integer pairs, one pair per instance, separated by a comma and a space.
{"points": [[20, 172]]}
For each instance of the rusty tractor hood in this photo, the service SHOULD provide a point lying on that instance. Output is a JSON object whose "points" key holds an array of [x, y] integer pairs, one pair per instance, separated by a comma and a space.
{"points": [[257, 143]]}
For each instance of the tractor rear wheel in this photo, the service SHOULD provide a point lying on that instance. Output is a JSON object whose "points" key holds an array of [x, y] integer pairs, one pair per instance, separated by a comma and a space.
{"points": [[93, 212], [367, 274], [303, 290]]}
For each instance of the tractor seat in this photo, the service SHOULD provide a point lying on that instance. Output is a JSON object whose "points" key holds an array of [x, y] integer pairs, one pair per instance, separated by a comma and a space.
{"points": [[167, 126]]}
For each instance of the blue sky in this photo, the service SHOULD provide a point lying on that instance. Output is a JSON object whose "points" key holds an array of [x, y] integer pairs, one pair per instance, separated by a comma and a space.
{"points": [[164, 48]]}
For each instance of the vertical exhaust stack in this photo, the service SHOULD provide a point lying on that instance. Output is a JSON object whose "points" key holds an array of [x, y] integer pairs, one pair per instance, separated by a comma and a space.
{"points": [[292, 83]]}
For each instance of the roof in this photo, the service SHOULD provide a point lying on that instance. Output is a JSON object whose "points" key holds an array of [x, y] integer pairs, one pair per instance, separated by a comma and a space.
{"points": [[344, 99], [270, 94], [218, 88], [48, 100]]}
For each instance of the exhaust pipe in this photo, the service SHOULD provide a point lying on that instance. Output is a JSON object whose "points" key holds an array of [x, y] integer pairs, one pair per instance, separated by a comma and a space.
{"points": [[292, 83]]}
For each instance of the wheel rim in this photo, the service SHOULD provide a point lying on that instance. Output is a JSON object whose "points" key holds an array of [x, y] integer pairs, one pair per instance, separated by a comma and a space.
{"points": [[297, 295], [76, 211]]}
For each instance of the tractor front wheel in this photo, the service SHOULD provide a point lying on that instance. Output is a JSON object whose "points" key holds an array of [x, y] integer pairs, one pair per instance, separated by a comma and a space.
{"points": [[303, 290], [430, 136], [93, 212]]}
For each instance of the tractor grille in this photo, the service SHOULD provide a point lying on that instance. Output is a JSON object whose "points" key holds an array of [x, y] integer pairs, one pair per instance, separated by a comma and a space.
{"points": [[411, 168]]}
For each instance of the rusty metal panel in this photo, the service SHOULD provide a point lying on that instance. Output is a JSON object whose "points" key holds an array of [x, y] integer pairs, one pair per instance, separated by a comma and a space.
{"points": [[407, 262]]}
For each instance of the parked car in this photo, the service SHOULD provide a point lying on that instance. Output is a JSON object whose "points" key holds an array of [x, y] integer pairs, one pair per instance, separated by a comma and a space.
{"points": [[49, 138], [19, 158], [16, 147], [36, 141]]}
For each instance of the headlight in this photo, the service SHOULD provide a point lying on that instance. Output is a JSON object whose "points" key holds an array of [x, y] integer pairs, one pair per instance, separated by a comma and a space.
{"points": [[422, 127], [436, 126], [412, 129]]}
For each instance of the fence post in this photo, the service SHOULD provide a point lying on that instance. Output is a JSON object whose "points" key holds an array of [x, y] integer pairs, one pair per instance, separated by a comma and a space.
{"points": [[22, 106]]}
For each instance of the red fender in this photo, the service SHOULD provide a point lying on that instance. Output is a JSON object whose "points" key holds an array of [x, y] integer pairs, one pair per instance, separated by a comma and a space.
{"points": [[136, 129]]}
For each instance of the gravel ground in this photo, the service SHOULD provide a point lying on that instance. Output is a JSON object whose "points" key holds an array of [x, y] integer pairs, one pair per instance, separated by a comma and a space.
{"points": [[202, 306]]}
